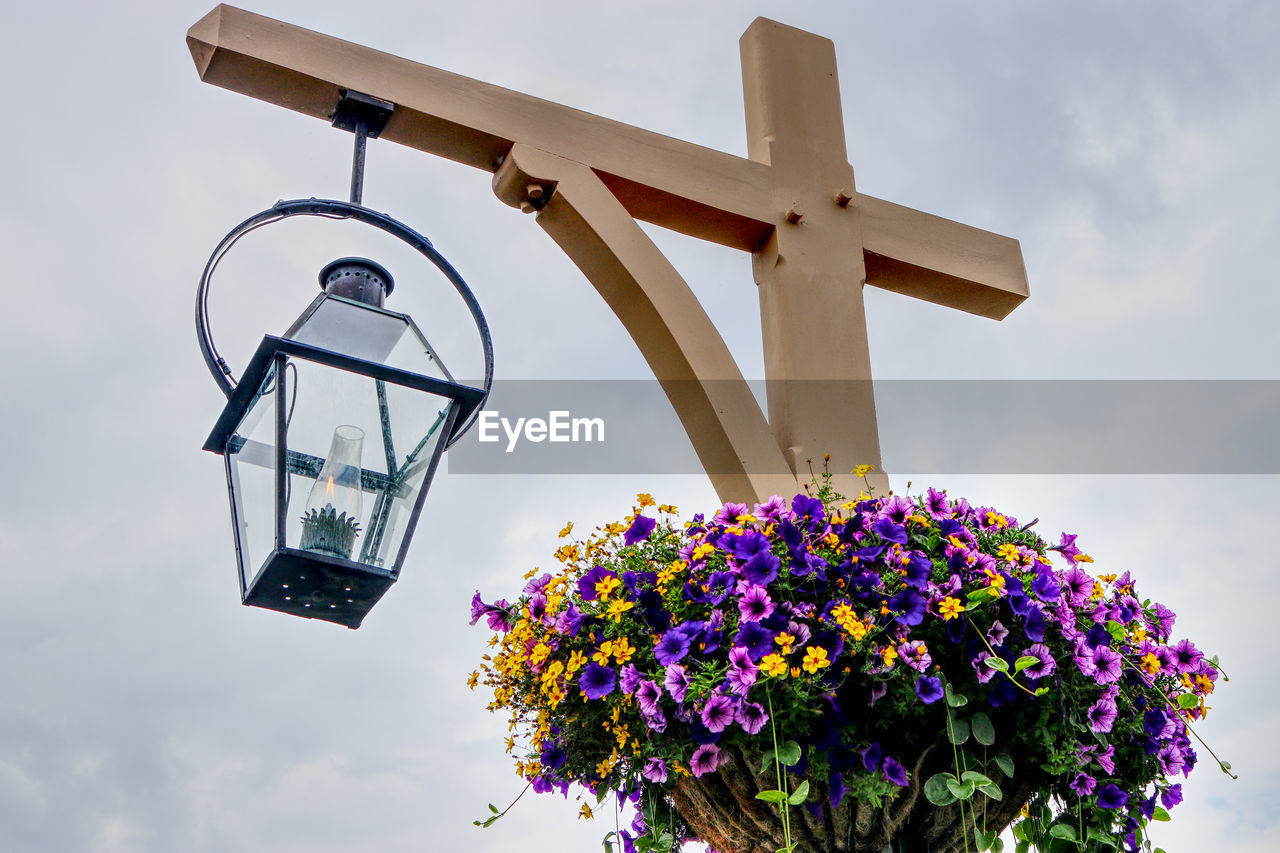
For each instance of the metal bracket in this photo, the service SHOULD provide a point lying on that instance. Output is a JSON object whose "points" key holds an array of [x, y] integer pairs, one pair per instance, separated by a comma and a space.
{"points": [[366, 117]]}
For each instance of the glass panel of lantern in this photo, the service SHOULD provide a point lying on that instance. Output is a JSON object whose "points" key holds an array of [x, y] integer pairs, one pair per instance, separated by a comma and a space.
{"points": [[331, 440]]}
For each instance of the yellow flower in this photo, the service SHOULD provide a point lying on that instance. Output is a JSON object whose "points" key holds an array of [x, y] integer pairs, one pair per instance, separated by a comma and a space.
{"points": [[1106, 578], [576, 661], [815, 658], [949, 608], [785, 641], [473, 679], [617, 608], [1008, 552], [994, 578], [1082, 558], [645, 499], [567, 553], [795, 672], [585, 811], [1150, 663], [568, 528], [539, 654], [890, 654], [997, 520], [703, 550], [774, 665], [601, 655], [1203, 684], [622, 650], [863, 470], [606, 585], [669, 509]]}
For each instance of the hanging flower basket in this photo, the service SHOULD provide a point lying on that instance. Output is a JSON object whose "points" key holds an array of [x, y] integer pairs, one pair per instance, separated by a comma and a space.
{"points": [[838, 676]]}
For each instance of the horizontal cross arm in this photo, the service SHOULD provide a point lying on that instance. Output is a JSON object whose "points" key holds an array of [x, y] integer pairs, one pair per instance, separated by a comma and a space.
{"points": [[669, 182], [941, 261]]}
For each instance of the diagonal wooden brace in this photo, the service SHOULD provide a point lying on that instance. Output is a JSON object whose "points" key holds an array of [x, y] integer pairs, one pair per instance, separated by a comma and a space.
{"points": [[664, 318]]}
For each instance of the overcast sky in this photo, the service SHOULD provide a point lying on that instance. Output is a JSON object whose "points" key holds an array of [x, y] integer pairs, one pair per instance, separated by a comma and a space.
{"points": [[1129, 147]]}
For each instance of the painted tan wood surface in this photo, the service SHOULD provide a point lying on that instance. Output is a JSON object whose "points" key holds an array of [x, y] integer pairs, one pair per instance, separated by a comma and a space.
{"points": [[814, 239]]}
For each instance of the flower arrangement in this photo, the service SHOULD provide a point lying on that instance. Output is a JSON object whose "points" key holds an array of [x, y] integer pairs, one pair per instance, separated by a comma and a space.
{"points": [[817, 674]]}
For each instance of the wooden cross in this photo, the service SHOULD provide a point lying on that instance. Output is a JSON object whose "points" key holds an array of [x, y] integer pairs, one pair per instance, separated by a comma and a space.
{"points": [[814, 240]]}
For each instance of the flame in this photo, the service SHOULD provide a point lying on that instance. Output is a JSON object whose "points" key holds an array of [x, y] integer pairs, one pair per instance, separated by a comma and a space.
{"points": [[328, 488]]}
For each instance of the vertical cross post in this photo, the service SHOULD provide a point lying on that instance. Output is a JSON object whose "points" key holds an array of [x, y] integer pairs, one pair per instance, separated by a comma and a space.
{"points": [[811, 271]]}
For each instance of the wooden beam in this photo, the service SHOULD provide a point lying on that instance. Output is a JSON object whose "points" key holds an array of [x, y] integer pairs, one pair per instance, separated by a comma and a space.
{"points": [[676, 184], [941, 261]]}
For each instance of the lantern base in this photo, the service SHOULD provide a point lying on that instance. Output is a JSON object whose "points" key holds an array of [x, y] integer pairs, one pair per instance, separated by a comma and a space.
{"points": [[316, 586]]}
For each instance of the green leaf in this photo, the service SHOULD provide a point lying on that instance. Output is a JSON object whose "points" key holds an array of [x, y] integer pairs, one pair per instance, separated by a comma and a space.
{"points": [[975, 777], [981, 596], [1063, 830], [997, 663], [961, 791], [1005, 763], [983, 732], [789, 753], [603, 795], [936, 790], [798, 795], [993, 791], [997, 845], [769, 758], [1098, 837], [1022, 847], [1187, 701], [958, 732], [983, 840], [1116, 630], [955, 700], [1040, 691], [1025, 661], [772, 796], [493, 808], [1020, 831], [1160, 814]]}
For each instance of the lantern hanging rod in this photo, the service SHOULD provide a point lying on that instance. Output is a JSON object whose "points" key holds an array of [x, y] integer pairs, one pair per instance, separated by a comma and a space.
{"points": [[365, 116]]}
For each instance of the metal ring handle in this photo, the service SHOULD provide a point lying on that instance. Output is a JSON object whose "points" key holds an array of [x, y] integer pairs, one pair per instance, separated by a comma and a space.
{"points": [[333, 209]]}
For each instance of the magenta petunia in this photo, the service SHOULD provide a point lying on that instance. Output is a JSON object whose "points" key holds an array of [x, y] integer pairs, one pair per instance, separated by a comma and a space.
{"points": [[1187, 656], [676, 681], [1102, 716], [718, 712], [705, 759], [655, 770], [754, 604], [752, 717]]}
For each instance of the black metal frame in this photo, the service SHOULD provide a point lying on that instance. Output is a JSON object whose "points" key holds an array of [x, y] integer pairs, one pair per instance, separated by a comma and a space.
{"points": [[296, 581], [333, 209]]}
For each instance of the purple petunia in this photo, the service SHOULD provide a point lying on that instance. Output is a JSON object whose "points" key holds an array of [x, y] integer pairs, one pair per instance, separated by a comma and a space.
{"points": [[890, 532], [762, 568], [705, 759], [1187, 657], [752, 717], [755, 604], [597, 681], [894, 772], [1106, 663], [1171, 796], [655, 770], [1078, 586], [647, 695], [1111, 797], [673, 646], [630, 679], [910, 606], [676, 681], [1083, 784], [929, 689], [718, 712], [639, 530], [1046, 666], [755, 638], [1102, 715]]}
